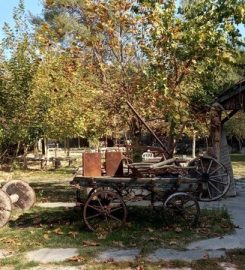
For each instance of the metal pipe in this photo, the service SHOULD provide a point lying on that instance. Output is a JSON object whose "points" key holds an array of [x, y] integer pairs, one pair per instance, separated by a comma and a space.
{"points": [[148, 128]]}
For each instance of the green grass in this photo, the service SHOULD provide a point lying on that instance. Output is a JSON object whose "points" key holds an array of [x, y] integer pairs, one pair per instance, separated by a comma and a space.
{"points": [[237, 257], [62, 227], [146, 229], [238, 164], [238, 158]]}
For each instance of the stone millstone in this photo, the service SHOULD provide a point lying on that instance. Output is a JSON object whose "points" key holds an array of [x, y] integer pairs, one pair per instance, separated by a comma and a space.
{"points": [[27, 196], [5, 208]]}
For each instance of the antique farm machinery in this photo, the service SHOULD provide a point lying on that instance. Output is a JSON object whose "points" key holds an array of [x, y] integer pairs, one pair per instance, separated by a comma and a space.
{"points": [[172, 186], [15, 193]]}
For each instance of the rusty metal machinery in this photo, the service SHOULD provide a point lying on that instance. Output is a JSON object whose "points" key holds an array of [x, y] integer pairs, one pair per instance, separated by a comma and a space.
{"points": [[15, 194]]}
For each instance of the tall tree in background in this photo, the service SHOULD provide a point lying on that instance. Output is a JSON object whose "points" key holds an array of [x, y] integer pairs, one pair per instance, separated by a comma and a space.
{"points": [[87, 57], [18, 66], [191, 56], [104, 33]]}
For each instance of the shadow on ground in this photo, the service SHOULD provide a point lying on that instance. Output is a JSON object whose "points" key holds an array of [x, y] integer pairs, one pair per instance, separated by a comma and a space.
{"points": [[54, 192]]}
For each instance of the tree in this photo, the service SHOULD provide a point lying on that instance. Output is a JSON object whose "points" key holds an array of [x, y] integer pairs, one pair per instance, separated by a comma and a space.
{"points": [[18, 66], [190, 56], [65, 97], [235, 127]]}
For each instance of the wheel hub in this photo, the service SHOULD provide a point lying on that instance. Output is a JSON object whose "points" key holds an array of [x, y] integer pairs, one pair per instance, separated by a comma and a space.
{"points": [[205, 177]]}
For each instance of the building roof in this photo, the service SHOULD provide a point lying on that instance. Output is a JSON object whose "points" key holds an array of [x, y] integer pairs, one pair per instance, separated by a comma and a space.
{"points": [[234, 97]]}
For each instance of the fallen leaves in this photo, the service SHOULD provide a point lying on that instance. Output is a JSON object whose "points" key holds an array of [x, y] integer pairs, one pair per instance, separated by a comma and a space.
{"points": [[77, 259], [7, 240], [88, 243], [58, 231], [150, 230], [73, 234], [178, 229], [118, 244], [46, 236]]}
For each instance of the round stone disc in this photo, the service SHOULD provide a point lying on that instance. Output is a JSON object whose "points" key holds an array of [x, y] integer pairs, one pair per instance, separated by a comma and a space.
{"points": [[5, 208], [27, 196]]}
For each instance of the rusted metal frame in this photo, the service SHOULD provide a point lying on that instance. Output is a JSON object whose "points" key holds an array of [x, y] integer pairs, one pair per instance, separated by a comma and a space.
{"points": [[229, 116], [149, 129]]}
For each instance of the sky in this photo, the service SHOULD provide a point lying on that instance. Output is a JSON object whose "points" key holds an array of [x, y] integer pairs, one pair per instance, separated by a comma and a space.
{"points": [[7, 6], [35, 7]]}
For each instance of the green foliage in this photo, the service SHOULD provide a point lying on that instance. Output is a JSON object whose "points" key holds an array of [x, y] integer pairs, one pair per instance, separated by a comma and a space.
{"points": [[72, 76], [18, 66], [191, 56], [235, 127]]}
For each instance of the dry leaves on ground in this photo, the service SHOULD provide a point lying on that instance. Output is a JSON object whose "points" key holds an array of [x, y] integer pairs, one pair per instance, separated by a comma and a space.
{"points": [[88, 243]]}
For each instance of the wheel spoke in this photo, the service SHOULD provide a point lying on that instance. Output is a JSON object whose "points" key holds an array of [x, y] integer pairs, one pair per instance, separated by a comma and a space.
{"points": [[219, 175], [202, 165], [220, 167], [198, 172], [209, 192], [115, 218], [209, 167], [100, 203], [93, 216], [108, 224], [116, 209], [219, 191], [219, 182], [95, 208]]}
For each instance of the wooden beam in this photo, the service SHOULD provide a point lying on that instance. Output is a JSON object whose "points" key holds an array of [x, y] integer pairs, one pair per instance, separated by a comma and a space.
{"points": [[229, 116]]}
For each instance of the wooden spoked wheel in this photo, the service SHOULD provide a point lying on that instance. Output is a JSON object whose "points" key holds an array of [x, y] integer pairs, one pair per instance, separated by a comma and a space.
{"points": [[213, 178], [182, 209], [104, 211]]}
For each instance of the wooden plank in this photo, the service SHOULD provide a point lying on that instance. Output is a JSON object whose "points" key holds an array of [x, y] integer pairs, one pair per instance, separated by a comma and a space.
{"points": [[128, 182]]}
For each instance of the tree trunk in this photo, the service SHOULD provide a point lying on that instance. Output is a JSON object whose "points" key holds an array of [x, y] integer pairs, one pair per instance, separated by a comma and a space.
{"points": [[17, 150], [25, 165], [239, 145], [194, 145], [68, 147], [45, 143], [36, 149]]}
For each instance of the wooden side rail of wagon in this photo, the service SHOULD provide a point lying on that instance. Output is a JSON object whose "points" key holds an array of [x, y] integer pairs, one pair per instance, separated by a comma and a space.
{"points": [[105, 206]]}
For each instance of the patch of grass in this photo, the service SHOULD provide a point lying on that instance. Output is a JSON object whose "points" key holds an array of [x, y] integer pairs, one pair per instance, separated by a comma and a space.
{"points": [[18, 263], [54, 192], [206, 264], [237, 257], [32, 176], [238, 164], [146, 229], [238, 158]]}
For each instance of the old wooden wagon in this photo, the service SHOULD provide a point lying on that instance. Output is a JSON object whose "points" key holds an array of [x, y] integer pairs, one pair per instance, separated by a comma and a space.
{"points": [[171, 189]]}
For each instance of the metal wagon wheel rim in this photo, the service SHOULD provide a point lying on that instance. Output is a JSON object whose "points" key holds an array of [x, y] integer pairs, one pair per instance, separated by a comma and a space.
{"points": [[213, 178], [104, 211], [183, 207]]}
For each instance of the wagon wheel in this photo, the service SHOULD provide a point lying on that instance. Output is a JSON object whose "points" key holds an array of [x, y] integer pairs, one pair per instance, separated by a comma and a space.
{"points": [[182, 208], [213, 178], [104, 211]]}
